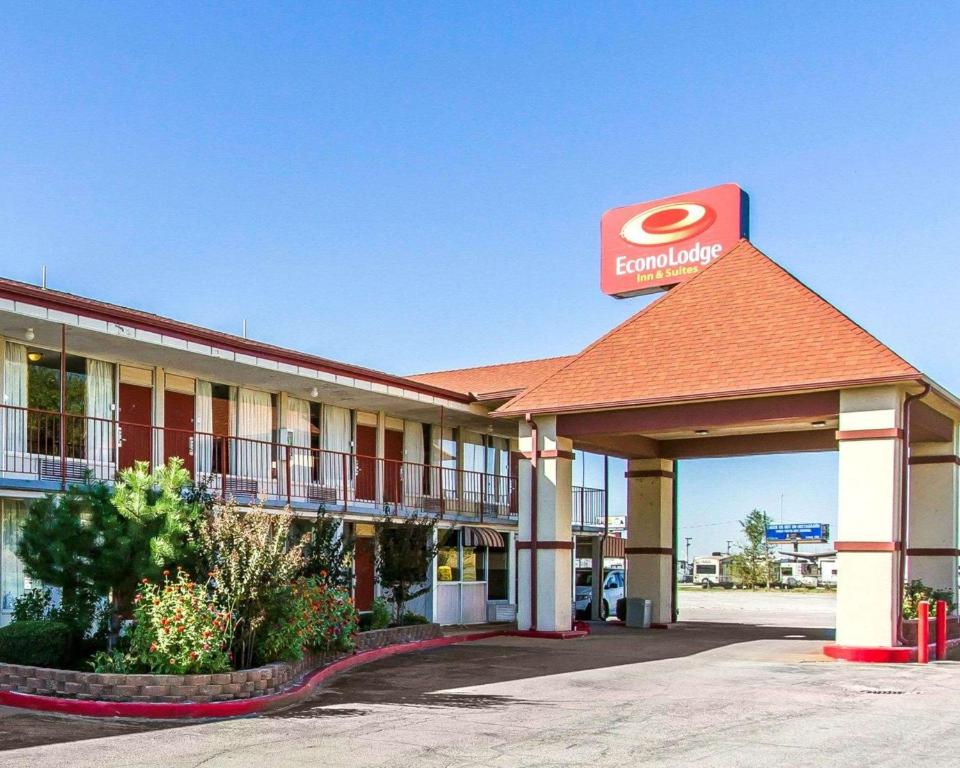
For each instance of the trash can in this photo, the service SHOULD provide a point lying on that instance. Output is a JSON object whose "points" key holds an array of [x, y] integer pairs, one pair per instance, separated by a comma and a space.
{"points": [[639, 611]]}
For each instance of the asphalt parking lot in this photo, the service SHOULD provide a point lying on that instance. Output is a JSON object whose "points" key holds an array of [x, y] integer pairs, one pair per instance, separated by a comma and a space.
{"points": [[705, 693]]}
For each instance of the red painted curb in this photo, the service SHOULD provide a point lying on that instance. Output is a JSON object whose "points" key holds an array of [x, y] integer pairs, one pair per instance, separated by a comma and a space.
{"points": [[241, 707], [222, 709], [878, 655]]}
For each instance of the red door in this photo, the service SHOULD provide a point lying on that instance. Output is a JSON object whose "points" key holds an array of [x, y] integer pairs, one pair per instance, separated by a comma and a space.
{"points": [[363, 569], [178, 423], [136, 404], [366, 463], [393, 455]]}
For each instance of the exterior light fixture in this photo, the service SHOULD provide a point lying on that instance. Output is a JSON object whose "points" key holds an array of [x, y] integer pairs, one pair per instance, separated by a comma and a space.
{"points": [[29, 335], [818, 423], [314, 392], [702, 432], [34, 356]]}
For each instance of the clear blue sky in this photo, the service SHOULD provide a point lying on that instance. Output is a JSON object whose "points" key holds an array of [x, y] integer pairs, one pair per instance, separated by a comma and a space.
{"points": [[420, 188]]}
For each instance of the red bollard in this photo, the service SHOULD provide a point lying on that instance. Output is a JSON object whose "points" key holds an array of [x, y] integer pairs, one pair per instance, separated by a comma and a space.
{"points": [[941, 630], [923, 632]]}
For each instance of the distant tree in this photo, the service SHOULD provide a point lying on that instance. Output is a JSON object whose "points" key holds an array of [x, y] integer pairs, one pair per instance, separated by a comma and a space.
{"points": [[406, 547], [753, 565], [326, 550]]}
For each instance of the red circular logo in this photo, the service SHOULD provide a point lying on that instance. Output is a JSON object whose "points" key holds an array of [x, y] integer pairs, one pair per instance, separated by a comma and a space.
{"points": [[668, 223]]}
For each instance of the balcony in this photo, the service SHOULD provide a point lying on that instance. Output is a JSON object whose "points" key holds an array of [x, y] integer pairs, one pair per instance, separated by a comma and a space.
{"points": [[48, 450], [589, 506]]}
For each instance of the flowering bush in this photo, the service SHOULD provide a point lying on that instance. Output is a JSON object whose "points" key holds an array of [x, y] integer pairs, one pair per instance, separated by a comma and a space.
{"points": [[179, 629], [306, 615]]}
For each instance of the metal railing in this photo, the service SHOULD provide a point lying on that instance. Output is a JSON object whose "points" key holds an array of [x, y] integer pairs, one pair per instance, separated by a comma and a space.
{"points": [[588, 507], [63, 447]]}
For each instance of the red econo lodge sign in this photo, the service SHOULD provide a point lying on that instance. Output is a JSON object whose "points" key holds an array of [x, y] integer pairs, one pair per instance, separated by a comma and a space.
{"points": [[652, 246]]}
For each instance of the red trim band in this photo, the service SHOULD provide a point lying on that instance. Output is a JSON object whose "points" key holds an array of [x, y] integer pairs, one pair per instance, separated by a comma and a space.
{"points": [[878, 655], [867, 546], [933, 552], [649, 473], [947, 459], [545, 545], [870, 434], [649, 550]]}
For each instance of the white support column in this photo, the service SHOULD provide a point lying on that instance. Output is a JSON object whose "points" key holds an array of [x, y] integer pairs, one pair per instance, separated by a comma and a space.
{"points": [[650, 535], [554, 576], [932, 538], [596, 562], [868, 516], [159, 390]]}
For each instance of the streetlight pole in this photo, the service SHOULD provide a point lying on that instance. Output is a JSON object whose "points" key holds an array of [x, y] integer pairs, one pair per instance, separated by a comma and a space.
{"points": [[729, 542]]}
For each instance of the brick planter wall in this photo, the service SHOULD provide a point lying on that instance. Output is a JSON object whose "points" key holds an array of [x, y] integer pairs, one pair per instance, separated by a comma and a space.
{"points": [[225, 686], [910, 629]]}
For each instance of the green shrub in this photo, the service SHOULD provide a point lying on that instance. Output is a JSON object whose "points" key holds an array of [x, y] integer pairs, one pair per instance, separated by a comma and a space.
{"points": [[306, 615], [179, 630], [917, 592], [33, 605], [36, 643], [113, 662], [380, 615], [409, 618]]}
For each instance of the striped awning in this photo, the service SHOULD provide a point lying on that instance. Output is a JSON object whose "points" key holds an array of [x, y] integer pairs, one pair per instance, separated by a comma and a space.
{"points": [[614, 546], [482, 537]]}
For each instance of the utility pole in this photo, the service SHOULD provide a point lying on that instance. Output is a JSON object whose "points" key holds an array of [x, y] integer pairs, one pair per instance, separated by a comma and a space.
{"points": [[729, 542], [687, 565]]}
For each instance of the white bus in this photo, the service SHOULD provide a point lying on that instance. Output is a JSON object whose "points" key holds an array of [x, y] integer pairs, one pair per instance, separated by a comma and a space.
{"points": [[712, 571]]}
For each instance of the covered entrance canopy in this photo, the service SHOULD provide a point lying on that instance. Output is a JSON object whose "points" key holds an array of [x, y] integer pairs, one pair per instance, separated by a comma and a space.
{"points": [[744, 359]]}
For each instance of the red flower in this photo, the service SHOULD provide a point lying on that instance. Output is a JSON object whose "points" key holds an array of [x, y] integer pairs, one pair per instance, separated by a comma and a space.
{"points": [[166, 573], [153, 647]]}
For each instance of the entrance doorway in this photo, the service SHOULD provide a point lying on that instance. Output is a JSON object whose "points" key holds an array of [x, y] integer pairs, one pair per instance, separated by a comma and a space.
{"points": [[392, 466], [364, 567], [366, 485], [178, 435], [136, 404]]}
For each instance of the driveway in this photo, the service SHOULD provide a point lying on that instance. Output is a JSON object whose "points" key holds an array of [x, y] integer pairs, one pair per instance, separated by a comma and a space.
{"points": [[701, 693]]}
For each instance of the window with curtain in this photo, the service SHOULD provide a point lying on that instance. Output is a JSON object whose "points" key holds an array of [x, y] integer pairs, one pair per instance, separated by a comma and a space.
{"points": [[203, 425], [15, 397], [12, 514], [254, 433], [413, 456], [448, 555], [337, 439], [298, 424], [444, 455], [99, 407]]}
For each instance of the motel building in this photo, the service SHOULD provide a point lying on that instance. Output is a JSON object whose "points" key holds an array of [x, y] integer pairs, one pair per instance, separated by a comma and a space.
{"points": [[737, 358]]}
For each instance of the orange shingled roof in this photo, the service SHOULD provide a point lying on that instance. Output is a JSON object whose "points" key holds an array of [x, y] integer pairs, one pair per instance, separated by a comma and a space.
{"points": [[489, 382], [742, 326]]}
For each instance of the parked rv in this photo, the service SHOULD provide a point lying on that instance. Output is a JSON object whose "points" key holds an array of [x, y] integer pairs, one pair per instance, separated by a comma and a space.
{"points": [[799, 574], [712, 571], [828, 572]]}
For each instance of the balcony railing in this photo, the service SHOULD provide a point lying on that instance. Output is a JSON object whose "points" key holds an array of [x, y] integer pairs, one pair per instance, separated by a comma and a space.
{"points": [[64, 448], [588, 507]]}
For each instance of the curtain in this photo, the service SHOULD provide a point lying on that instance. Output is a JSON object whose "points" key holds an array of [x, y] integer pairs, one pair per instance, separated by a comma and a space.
{"points": [[15, 397], [413, 458], [336, 436], [203, 426], [498, 468], [254, 433], [298, 423], [11, 569], [99, 422]]}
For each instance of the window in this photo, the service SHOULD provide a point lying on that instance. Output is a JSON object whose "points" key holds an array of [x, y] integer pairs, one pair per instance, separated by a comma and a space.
{"points": [[497, 574], [584, 578], [12, 580], [43, 394], [448, 556], [706, 569]]}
